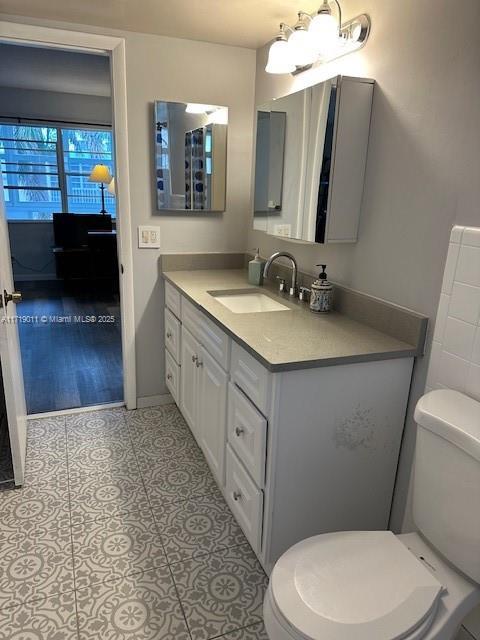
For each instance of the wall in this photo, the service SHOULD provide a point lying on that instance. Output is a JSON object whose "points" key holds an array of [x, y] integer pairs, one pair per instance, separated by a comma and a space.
{"points": [[455, 355], [422, 172], [26, 67], [183, 71], [31, 248], [55, 105], [162, 68]]}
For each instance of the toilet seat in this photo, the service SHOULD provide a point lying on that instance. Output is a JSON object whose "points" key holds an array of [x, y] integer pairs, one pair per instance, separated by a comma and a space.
{"points": [[364, 584]]}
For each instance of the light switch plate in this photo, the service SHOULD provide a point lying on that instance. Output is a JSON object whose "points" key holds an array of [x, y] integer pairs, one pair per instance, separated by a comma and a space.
{"points": [[148, 237], [283, 230]]}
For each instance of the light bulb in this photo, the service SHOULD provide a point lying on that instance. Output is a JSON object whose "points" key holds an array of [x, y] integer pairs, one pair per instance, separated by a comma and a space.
{"points": [[324, 32], [302, 50], [279, 58]]}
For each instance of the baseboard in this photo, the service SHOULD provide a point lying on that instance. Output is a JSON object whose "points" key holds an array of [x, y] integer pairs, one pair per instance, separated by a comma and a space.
{"points": [[154, 401], [62, 412]]}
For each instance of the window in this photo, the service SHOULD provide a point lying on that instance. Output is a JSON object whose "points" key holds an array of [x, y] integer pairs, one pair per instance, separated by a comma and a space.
{"points": [[45, 170]]}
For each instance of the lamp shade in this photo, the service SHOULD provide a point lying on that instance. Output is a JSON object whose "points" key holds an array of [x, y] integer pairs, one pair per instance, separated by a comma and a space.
{"points": [[302, 50], [279, 58], [324, 31], [111, 187], [100, 173]]}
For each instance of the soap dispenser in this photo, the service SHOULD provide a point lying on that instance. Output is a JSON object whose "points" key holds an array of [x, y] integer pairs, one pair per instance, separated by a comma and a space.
{"points": [[322, 292], [255, 269]]}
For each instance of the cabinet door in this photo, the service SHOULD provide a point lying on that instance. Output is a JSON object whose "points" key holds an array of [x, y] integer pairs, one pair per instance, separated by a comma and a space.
{"points": [[245, 500], [213, 414], [189, 375]]}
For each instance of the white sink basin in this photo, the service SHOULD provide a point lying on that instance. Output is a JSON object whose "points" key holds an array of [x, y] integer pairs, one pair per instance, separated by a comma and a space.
{"points": [[248, 302]]}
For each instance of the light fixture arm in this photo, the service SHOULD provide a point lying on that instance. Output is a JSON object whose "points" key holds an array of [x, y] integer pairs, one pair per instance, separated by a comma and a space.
{"points": [[303, 15], [339, 15], [325, 8], [283, 27]]}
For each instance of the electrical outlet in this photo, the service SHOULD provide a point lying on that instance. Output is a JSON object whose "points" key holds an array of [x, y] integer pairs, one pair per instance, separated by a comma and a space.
{"points": [[148, 237], [283, 230]]}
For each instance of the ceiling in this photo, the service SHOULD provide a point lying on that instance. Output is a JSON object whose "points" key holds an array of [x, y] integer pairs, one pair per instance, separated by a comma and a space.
{"points": [[41, 69], [244, 23]]}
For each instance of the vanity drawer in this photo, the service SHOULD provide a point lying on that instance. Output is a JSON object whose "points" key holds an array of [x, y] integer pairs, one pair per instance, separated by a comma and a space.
{"points": [[251, 377], [172, 376], [245, 500], [172, 299], [215, 341], [247, 433], [172, 334]]}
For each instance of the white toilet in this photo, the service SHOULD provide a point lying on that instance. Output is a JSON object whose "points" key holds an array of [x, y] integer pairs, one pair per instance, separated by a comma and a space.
{"points": [[374, 585]]}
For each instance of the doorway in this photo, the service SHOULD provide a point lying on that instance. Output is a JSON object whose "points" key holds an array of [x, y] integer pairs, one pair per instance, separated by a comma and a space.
{"points": [[57, 155]]}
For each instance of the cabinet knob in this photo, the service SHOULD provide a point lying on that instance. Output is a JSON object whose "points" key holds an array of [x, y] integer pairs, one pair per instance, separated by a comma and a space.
{"points": [[199, 363], [194, 359], [169, 335], [239, 431], [169, 376], [236, 495]]}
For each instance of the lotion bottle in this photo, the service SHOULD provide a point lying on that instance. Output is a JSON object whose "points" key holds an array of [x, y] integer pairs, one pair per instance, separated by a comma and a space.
{"points": [[255, 269], [322, 293]]}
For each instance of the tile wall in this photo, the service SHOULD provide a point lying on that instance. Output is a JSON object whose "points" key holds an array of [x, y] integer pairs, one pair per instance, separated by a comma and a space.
{"points": [[455, 356]]}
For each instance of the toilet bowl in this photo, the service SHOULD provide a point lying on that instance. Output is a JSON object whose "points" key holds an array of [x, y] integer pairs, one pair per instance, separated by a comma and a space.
{"points": [[374, 585]]}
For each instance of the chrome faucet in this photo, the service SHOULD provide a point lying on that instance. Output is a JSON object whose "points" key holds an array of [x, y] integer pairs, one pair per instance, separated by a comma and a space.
{"points": [[283, 254]]}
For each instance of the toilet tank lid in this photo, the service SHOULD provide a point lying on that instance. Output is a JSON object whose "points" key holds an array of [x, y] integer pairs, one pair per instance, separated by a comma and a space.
{"points": [[453, 416]]}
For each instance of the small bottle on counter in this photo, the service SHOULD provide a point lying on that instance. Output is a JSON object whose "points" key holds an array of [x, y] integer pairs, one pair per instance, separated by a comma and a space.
{"points": [[255, 269], [322, 292]]}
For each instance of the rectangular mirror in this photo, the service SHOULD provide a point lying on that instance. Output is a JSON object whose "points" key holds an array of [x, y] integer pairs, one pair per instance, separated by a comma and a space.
{"points": [[269, 161], [310, 158], [190, 156]]}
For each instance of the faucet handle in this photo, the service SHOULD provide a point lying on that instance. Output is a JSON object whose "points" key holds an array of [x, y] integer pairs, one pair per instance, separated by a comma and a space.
{"points": [[281, 283], [304, 293]]}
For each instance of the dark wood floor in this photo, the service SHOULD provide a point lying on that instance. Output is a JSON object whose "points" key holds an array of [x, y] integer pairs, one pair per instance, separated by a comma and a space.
{"points": [[68, 364]]}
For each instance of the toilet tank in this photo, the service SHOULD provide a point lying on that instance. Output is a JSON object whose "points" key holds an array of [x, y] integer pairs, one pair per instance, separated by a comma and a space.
{"points": [[446, 484]]}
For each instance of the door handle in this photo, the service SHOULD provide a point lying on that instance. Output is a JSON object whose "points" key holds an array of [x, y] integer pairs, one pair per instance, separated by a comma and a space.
{"points": [[14, 297]]}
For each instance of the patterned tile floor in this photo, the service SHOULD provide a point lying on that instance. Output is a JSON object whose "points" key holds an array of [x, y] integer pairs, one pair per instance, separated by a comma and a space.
{"points": [[121, 533]]}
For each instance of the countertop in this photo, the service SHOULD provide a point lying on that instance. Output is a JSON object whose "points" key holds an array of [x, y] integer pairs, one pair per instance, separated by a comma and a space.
{"points": [[287, 340]]}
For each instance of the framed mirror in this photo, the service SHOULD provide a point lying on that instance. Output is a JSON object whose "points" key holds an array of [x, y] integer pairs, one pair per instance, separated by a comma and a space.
{"points": [[310, 158], [190, 156]]}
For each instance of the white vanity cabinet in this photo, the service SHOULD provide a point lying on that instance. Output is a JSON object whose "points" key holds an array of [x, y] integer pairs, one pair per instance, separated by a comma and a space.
{"points": [[204, 401], [203, 353], [297, 452], [189, 380], [212, 411]]}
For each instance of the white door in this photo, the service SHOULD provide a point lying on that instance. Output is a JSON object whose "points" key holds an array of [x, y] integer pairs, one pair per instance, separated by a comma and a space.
{"points": [[213, 414], [189, 372], [10, 357]]}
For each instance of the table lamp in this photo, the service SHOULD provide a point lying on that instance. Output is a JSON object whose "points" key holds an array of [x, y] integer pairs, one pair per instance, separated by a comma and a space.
{"points": [[101, 173], [111, 187]]}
